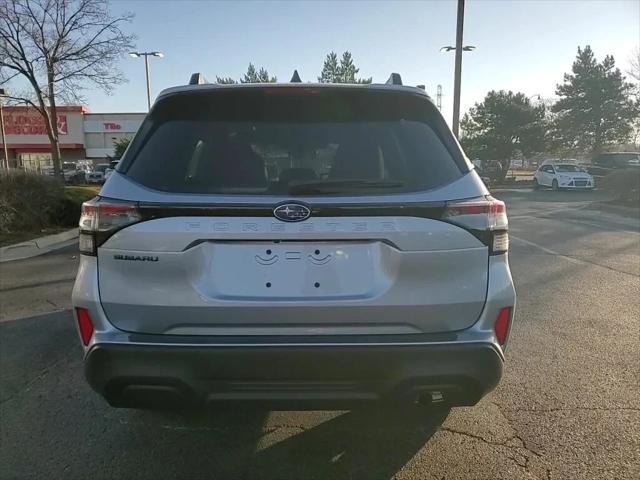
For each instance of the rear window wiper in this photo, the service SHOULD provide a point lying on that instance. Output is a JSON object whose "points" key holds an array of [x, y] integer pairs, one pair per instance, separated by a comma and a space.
{"points": [[341, 186]]}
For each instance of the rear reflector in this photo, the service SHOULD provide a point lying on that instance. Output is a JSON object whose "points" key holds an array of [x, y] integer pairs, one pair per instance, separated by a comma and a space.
{"points": [[87, 243], [500, 242], [85, 325], [502, 324]]}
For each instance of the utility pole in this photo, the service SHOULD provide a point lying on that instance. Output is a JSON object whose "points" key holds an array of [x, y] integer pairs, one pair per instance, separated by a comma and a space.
{"points": [[439, 97], [457, 80]]}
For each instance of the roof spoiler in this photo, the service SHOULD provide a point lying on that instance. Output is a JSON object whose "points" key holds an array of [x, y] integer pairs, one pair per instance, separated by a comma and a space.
{"points": [[394, 79], [197, 79]]}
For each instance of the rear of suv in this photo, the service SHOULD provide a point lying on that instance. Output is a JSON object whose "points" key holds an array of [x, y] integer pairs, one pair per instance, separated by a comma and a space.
{"points": [[293, 244]]}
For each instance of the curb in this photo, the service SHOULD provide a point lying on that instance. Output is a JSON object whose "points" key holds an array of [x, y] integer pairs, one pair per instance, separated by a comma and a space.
{"points": [[38, 246]]}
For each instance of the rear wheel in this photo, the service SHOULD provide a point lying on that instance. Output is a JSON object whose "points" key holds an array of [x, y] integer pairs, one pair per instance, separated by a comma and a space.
{"points": [[536, 185], [554, 184]]}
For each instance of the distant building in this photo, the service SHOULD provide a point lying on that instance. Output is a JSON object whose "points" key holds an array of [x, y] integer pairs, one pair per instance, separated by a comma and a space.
{"points": [[83, 135]]}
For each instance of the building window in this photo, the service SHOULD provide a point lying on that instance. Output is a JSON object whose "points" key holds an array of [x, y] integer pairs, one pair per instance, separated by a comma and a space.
{"points": [[35, 162]]}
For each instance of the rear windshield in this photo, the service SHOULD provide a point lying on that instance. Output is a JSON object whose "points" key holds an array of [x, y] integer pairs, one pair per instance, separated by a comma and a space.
{"points": [[293, 141]]}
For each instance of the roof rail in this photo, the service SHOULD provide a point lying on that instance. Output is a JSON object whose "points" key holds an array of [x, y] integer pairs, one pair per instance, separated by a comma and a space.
{"points": [[296, 78], [394, 79], [197, 79]]}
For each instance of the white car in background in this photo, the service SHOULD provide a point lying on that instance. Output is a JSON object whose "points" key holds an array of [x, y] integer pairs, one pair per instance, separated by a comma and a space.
{"points": [[97, 175], [560, 175]]}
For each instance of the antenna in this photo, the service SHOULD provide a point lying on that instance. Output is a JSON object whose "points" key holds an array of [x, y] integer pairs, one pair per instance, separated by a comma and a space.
{"points": [[439, 97], [296, 78]]}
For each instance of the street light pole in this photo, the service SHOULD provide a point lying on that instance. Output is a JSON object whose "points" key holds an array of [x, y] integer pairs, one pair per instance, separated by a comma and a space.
{"points": [[458, 69], [146, 72], [457, 76], [146, 56]]}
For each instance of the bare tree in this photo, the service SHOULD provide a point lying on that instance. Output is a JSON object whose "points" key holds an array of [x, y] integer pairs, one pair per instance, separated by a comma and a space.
{"points": [[634, 65], [634, 73], [60, 47]]}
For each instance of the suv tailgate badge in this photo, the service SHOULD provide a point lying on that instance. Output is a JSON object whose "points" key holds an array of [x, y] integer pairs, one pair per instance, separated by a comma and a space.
{"points": [[291, 212]]}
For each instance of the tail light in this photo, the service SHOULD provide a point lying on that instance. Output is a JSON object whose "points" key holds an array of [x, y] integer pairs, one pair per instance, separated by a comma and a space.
{"points": [[85, 325], [485, 217], [102, 218], [501, 327]]}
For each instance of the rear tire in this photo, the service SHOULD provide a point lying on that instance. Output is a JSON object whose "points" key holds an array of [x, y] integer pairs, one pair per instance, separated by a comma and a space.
{"points": [[536, 185]]}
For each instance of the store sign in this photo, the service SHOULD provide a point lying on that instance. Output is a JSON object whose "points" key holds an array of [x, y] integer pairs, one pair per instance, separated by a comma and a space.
{"points": [[111, 126], [31, 124]]}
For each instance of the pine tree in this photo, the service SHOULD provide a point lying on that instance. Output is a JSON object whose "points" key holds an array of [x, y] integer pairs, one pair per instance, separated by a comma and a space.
{"points": [[225, 80], [255, 76], [251, 76], [347, 70], [263, 77], [330, 72], [596, 105], [343, 72]]}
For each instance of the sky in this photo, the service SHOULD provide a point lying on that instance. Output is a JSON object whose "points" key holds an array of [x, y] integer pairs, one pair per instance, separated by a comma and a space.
{"points": [[521, 45]]}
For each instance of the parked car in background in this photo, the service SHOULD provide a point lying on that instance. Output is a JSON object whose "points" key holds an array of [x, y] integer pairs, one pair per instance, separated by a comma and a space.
{"points": [[606, 162], [370, 264], [112, 166], [558, 176], [98, 173], [71, 173]]}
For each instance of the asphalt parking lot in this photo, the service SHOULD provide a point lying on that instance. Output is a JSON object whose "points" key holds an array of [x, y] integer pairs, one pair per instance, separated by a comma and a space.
{"points": [[568, 406]]}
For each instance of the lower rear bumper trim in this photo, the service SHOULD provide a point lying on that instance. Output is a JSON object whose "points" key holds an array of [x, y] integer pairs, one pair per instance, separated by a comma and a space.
{"points": [[297, 376]]}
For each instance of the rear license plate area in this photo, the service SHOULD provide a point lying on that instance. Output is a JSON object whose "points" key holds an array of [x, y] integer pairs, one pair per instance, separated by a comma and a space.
{"points": [[294, 270]]}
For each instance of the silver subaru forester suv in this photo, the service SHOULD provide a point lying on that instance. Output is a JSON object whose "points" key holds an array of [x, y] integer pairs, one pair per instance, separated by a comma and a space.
{"points": [[300, 245]]}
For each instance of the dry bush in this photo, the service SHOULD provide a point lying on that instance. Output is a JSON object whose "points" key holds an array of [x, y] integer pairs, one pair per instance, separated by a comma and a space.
{"points": [[28, 201]]}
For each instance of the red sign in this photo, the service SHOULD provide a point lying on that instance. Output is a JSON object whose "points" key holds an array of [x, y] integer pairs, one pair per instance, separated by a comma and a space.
{"points": [[112, 126], [31, 124]]}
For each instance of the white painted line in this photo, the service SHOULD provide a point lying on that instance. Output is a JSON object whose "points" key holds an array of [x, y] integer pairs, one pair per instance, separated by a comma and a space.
{"points": [[548, 250], [535, 245]]}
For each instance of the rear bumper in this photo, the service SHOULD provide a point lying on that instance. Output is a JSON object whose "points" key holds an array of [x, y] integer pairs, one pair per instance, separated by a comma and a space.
{"points": [[291, 376]]}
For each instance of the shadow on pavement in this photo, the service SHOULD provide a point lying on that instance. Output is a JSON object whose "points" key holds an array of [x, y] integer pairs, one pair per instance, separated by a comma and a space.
{"points": [[368, 443], [48, 408]]}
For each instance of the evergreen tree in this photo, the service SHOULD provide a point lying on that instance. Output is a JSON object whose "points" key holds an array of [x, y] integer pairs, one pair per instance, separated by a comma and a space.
{"points": [[255, 76], [330, 72], [225, 80], [596, 105], [343, 72]]}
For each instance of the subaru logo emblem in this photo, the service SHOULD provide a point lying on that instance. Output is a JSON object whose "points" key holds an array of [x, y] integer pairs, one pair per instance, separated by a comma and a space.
{"points": [[291, 212]]}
